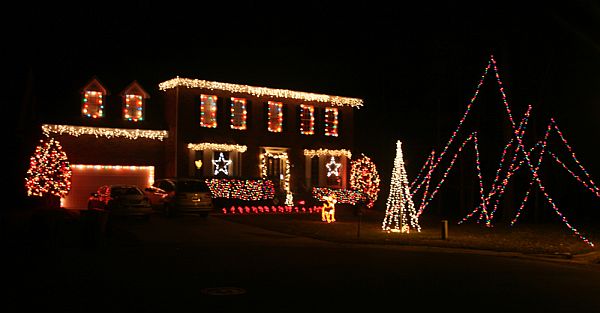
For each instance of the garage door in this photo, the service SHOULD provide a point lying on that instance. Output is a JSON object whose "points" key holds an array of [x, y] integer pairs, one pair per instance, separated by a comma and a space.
{"points": [[87, 178]]}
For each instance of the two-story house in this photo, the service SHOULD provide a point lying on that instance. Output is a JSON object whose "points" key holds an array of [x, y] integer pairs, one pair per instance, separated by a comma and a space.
{"points": [[297, 140]]}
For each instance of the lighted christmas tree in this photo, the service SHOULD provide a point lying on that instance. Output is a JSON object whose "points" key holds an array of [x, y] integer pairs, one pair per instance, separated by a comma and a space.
{"points": [[49, 171], [364, 178], [400, 215]]}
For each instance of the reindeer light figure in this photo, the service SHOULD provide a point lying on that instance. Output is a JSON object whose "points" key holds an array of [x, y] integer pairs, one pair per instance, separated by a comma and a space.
{"points": [[328, 211]]}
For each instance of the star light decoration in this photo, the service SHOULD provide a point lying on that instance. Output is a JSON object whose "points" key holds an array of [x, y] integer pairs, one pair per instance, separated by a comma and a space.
{"points": [[333, 168], [221, 165], [49, 171], [522, 157], [400, 215]]}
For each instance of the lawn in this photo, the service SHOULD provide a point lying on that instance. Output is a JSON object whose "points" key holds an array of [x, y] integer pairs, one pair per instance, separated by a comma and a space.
{"points": [[554, 239]]}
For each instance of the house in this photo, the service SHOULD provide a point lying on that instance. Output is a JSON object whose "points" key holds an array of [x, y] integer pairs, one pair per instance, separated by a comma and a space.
{"points": [[295, 140]]}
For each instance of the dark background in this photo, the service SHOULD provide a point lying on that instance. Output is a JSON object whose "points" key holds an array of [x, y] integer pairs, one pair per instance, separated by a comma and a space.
{"points": [[415, 65]]}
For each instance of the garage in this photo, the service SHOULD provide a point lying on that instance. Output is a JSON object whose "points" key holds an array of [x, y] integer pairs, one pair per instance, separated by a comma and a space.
{"points": [[87, 178]]}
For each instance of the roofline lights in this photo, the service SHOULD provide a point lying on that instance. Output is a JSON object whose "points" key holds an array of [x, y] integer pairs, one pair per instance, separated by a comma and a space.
{"points": [[260, 91]]}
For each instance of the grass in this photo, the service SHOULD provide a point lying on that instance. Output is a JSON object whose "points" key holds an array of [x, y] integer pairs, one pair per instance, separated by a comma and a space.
{"points": [[554, 239]]}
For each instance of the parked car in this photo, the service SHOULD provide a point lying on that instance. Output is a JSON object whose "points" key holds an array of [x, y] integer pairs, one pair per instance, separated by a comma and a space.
{"points": [[121, 200], [181, 195]]}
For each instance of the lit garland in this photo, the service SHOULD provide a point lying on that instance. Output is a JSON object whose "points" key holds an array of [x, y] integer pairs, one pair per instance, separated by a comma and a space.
{"points": [[327, 152], [333, 168], [77, 131], [499, 184], [247, 190], [331, 122], [239, 115], [208, 111], [216, 147], [260, 91], [133, 110], [400, 215], [365, 179], [275, 116], [307, 123], [257, 210], [348, 196], [92, 104], [49, 171], [289, 198]]}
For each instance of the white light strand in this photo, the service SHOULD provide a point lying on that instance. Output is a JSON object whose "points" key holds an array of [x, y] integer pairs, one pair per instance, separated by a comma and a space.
{"points": [[77, 131], [400, 208], [217, 147], [326, 152], [260, 91]]}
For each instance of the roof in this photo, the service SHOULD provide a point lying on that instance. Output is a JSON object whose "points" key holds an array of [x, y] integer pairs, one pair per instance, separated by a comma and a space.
{"points": [[260, 91]]}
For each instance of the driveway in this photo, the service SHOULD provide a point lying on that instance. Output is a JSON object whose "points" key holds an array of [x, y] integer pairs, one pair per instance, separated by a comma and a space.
{"points": [[194, 264]]}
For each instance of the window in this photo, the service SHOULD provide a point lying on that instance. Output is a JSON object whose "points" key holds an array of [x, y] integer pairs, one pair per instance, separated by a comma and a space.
{"points": [[275, 116], [92, 104], [134, 108], [238, 113], [331, 122], [307, 119], [208, 111]]}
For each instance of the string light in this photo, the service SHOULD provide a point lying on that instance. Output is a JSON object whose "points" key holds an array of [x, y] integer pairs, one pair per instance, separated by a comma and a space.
{"points": [[365, 178], [208, 111], [49, 171], [331, 122], [221, 165], [135, 168], [400, 215], [216, 147], [260, 91], [275, 116], [327, 152], [77, 131], [347, 196], [93, 105], [270, 210], [289, 198], [246, 190], [307, 119], [133, 110], [239, 114], [522, 156]]}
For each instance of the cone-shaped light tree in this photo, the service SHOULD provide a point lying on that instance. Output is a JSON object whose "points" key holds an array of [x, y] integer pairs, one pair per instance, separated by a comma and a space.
{"points": [[400, 215], [49, 171]]}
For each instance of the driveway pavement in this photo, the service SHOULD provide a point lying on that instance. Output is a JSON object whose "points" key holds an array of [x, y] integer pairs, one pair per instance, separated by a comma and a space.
{"points": [[192, 264]]}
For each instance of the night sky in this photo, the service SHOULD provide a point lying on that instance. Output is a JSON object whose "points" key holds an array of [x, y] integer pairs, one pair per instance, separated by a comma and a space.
{"points": [[415, 65]]}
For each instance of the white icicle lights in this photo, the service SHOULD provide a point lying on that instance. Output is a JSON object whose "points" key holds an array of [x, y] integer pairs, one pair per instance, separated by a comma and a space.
{"points": [[400, 215]]}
